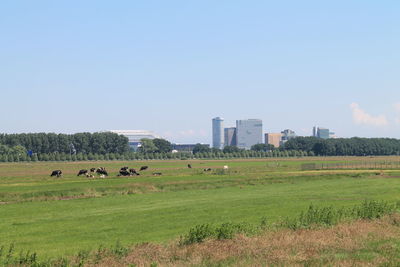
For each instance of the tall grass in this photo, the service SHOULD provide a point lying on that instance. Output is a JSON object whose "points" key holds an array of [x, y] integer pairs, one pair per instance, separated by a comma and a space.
{"points": [[312, 217], [327, 216]]}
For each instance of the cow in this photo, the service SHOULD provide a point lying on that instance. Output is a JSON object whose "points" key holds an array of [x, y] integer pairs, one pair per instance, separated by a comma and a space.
{"points": [[102, 171], [56, 173], [92, 169], [124, 168], [226, 167], [133, 172], [189, 166], [144, 168], [157, 173], [207, 169], [124, 173], [81, 172]]}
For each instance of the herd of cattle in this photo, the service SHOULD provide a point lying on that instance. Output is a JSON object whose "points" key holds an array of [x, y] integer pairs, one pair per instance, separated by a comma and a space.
{"points": [[124, 171]]}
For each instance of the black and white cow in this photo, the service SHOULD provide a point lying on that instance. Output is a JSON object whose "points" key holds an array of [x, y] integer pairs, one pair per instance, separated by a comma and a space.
{"points": [[82, 172], [56, 173]]}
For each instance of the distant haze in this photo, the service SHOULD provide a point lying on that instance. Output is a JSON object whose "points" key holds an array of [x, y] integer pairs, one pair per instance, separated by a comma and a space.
{"points": [[172, 66]]}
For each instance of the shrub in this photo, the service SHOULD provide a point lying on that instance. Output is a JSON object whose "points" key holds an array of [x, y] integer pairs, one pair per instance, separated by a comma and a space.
{"points": [[198, 234]]}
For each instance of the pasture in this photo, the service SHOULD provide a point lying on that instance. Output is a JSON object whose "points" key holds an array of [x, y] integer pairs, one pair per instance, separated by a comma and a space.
{"points": [[61, 216]]}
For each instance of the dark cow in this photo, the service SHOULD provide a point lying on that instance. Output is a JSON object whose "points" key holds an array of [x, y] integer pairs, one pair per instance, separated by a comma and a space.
{"points": [[124, 168], [157, 173], [124, 173], [133, 172], [189, 166], [102, 171], [81, 172], [92, 169], [144, 168], [207, 170], [56, 173]]}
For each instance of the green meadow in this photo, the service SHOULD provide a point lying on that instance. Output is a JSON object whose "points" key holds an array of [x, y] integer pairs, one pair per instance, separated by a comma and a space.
{"points": [[61, 216]]}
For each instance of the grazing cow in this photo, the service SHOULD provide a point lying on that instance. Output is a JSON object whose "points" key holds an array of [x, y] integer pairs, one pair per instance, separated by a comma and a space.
{"points": [[92, 169], [102, 171], [56, 173], [157, 173], [226, 167], [124, 173], [189, 166], [81, 172], [133, 172], [124, 168], [207, 170], [144, 168]]}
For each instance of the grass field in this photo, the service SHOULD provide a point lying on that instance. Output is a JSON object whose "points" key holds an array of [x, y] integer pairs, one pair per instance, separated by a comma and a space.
{"points": [[62, 216]]}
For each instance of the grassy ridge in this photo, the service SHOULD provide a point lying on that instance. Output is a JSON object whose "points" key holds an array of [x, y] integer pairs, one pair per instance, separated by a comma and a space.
{"points": [[44, 216]]}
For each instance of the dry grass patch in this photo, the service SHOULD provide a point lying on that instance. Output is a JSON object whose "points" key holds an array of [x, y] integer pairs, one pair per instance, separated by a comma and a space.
{"points": [[336, 246]]}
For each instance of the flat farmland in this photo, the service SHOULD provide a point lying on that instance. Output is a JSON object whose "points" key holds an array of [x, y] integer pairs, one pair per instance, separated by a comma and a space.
{"points": [[61, 216]]}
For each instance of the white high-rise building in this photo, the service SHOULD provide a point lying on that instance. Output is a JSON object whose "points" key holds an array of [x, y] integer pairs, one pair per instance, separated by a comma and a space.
{"points": [[218, 132], [248, 133]]}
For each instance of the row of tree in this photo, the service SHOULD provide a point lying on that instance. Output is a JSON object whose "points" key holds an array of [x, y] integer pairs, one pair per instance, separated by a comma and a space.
{"points": [[345, 146], [148, 156], [98, 143], [109, 145]]}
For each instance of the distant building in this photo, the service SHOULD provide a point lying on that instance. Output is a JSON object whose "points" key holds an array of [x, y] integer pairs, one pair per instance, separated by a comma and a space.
{"points": [[134, 136], [273, 139], [248, 133], [287, 135], [218, 132], [314, 131], [185, 147], [230, 136], [322, 133]]}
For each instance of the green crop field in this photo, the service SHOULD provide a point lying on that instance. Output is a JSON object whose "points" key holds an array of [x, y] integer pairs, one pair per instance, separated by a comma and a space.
{"points": [[61, 216]]}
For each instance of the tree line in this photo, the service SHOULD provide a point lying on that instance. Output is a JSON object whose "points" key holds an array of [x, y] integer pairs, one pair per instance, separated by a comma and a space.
{"points": [[111, 146], [345, 146], [45, 143]]}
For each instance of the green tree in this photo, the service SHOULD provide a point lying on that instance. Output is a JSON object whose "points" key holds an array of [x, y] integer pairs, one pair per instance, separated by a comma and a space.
{"points": [[147, 146], [162, 145], [231, 149], [263, 147], [200, 148]]}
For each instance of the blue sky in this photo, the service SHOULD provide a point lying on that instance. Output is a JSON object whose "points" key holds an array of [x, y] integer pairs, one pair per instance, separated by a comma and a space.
{"points": [[170, 66]]}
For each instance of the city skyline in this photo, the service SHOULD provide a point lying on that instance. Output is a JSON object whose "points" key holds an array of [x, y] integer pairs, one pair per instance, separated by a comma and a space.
{"points": [[169, 67]]}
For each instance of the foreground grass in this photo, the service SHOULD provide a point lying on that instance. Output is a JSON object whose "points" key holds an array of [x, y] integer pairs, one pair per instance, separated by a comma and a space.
{"points": [[366, 234]]}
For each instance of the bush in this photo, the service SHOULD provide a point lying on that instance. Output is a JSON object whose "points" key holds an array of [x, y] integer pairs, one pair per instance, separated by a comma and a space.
{"points": [[198, 234]]}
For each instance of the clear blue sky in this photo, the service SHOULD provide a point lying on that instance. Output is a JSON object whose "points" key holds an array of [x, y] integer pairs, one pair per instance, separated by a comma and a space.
{"points": [[170, 66]]}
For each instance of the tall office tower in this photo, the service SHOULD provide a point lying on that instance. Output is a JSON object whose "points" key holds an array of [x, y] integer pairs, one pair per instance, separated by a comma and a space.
{"points": [[273, 139], [230, 136], [314, 131], [218, 132], [323, 133], [248, 133]]}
